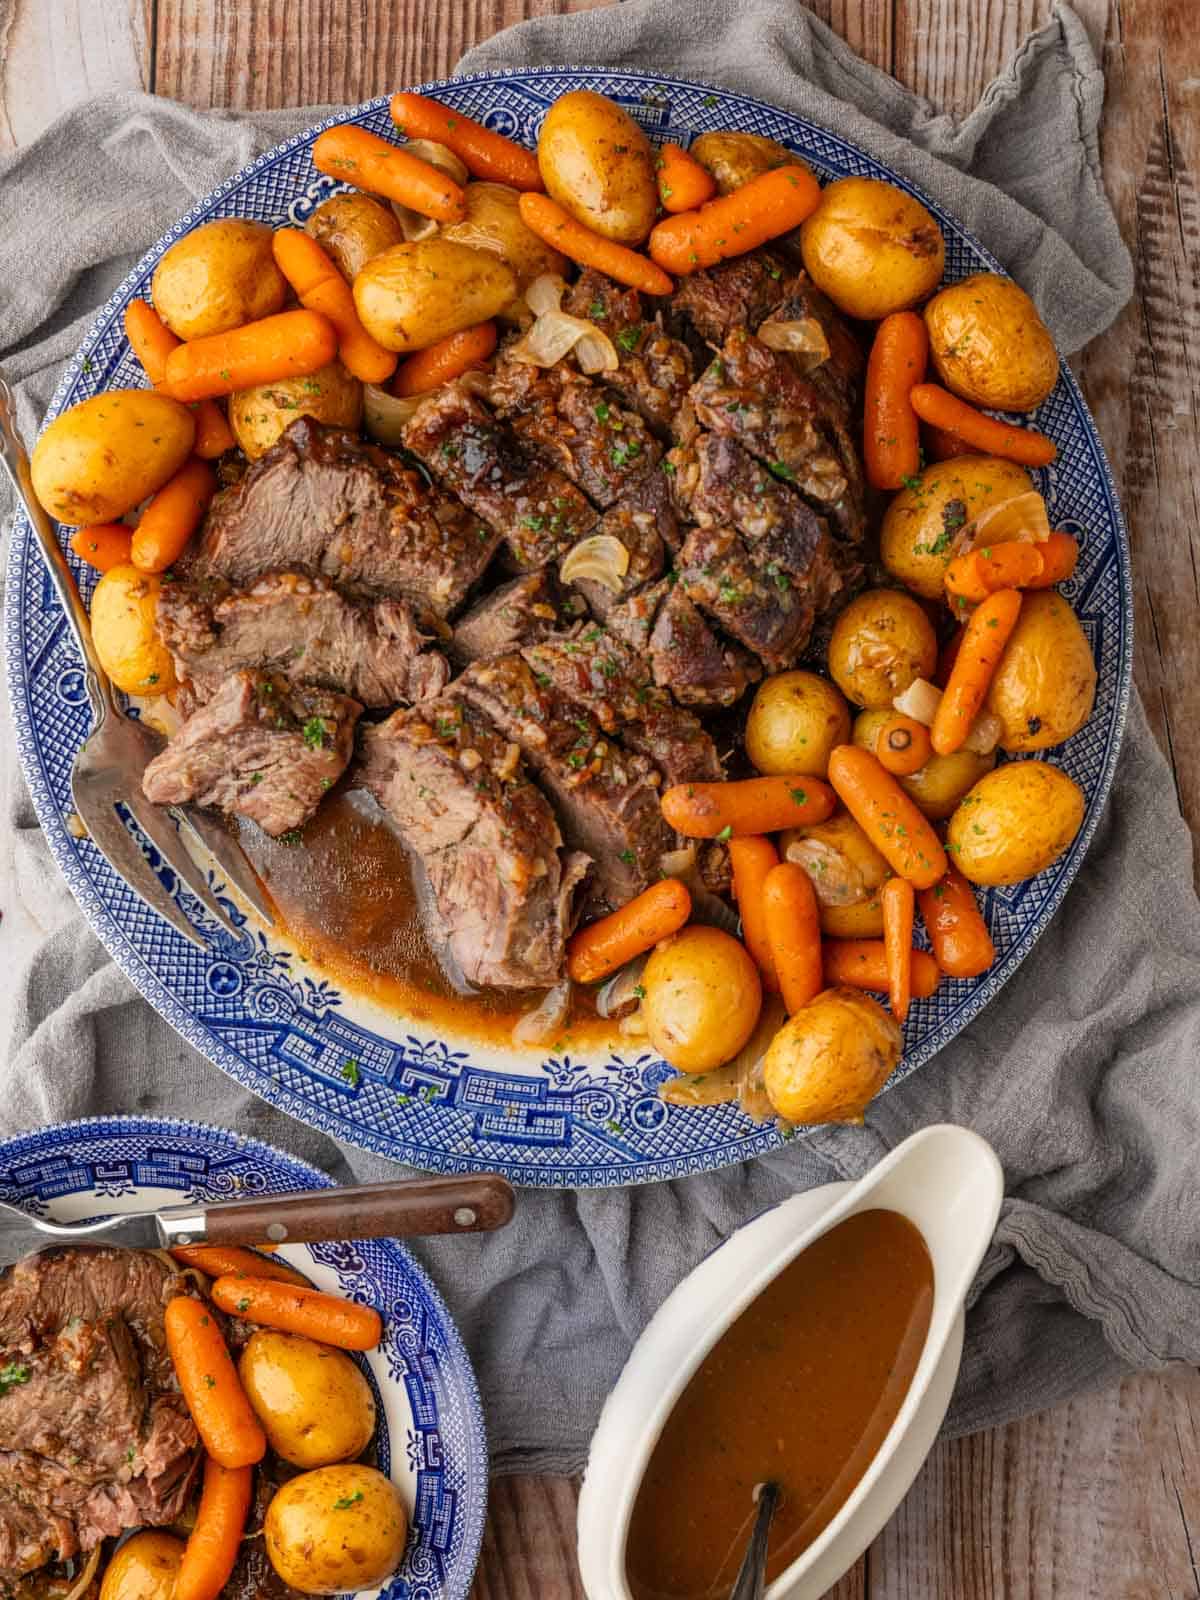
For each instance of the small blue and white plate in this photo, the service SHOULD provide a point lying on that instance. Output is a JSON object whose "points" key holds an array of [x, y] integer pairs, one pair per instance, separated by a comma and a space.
{"points": [[430, 1437], [446, 1102]]}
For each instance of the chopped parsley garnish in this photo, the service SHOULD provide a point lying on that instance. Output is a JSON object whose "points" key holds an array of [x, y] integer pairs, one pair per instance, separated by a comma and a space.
{"points": [[628, 857], [709, 101], [12, 1375], [780, 469], [596, 311], [314, 733], [726, 832], [639, 991], [350, 1072], [292, 836], [348, 1500], [630, 338], [800, 796], [447, 727], [624, 451]]}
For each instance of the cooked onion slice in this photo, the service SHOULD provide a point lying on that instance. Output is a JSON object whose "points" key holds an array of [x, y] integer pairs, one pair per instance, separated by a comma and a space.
{"points": [[984, 735], [920, 702], [554, 334], [84, 1581], [1022, 517], [385, 414], [412, 224], [545, 293], [701, 1088], [619, 995], [707, 907], [601, 557], [748, 1063], [545, 1021], [804, 337]]}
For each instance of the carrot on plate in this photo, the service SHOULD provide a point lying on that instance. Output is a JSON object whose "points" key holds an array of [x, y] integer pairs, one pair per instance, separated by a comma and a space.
{"points": [[753, 859], [940, 444], [891, 432], [291, 344], [894, 825], [557, 227], [231, 1432], [902, 745], [605, 945], [152, 343], [222, 1260], [484, 154], [1059, 554], [103, 544], [862, 964], [959, 935], [321, 287], [934, 404], [172, 516], [216, 1537], [751, 805], [1014, 564], [793, 933], [293, 1309], [899, 902], [448, 358], [774, 202], [683, 184], [984, 638], [369, 162]]}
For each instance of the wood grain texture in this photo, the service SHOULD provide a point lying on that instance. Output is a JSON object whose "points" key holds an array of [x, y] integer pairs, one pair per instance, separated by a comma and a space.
{"points": [[55, 52]]}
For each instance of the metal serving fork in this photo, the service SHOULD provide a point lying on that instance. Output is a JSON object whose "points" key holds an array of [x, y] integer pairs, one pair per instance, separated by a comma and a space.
{"points": [[108, 769]]}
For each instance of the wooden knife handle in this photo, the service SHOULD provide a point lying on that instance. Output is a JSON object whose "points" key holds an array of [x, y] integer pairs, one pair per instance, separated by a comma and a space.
{"points": [[396, 1210]]}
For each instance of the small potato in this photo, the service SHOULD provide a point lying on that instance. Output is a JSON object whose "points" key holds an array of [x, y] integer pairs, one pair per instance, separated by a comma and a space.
{"points": [[354, 229], [917, 537], [845, 867], [861, 921], [217, 277], [1015, 823], [598, 164], [493, 222], [125, 632], [989, 345], [703, 996], [1044, 689], [144, 1568], [417, 293], [313, 1402], [831, 1058], [338, 1528], [940, 784], [794, 723], [107, 454], [880, 643], [258, 416], [872, 248], [734, 158]]}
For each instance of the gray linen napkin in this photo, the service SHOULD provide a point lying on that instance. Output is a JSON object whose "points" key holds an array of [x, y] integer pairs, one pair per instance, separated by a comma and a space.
{"points": [[1080, 1073]]}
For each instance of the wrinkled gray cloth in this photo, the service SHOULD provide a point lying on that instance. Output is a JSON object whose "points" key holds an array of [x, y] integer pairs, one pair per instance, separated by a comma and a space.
{"points": [[1081, 1073]]}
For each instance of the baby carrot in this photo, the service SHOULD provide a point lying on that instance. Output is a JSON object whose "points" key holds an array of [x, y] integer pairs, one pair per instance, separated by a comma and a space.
{"points": [[1059, 554], [862, 963], [902, 745], [103, 545], [216, 1536], [1014, 564], [152, 343], [484, 154], [753, 859], [959, 935], [557, 227], [369, 162], [793, 933], [683, 184], [942, 445], [891, 433], [773, 203], [209, 1381], [291, 344], [984, 638], [172, 516], [321, 287], [221, 1260], [753, 805], [898, 902], [891, 821], [603, 946], [323, 1317], [448, 358], [934, 404]]}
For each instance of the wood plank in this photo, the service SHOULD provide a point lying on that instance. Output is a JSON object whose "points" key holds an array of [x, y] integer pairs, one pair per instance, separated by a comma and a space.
{"points": [[949, 50], [55, 52]]}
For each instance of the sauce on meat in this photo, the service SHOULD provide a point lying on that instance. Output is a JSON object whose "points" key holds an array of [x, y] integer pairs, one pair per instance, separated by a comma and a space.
{"points": [[802, 1389]]}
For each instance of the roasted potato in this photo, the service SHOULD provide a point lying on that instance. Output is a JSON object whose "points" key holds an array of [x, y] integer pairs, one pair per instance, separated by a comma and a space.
{"points": [[217, 277], [258, 416], [314, 1404], [493, 222], [105, 455], [734, 158], [861, 921], [1044, 689], [940, 784], [845, 867], [144, 1568], [335, 1529], [872, 248], [917, 537], [794, 722], [1015, 823], [598, 164], [831, 1058], [125, 632], [703, 996], [417, 293], [989, 345], [354, 229], [880, 643]]}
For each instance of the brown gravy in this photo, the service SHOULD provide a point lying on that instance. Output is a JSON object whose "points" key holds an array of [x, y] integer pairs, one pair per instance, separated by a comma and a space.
{"points": [[802, 1389]]}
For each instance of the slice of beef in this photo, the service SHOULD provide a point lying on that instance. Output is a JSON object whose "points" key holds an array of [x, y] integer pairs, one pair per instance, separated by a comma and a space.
{"points": [[486, 836], [685, 655], [735, 294], [261, 748], [518, 612], [655, 369], [843, 368], [325, 501], [303, 629], [768, 614]]}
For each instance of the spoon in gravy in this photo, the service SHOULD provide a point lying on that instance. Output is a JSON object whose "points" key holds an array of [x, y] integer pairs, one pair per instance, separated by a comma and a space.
{"points": [[752, 1578]]}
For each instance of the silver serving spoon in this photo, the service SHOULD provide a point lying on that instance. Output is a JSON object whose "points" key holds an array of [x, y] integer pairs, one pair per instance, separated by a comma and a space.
{"points": [[751, 1579]]}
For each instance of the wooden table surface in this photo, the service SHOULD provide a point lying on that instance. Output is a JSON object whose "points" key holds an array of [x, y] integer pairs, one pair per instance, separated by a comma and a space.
{"points": [[1093, 1501]]}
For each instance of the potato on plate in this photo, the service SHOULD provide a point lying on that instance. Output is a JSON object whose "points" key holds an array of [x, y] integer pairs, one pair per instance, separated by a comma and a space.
{"points": [[845, 867], [335, 1529], [493, 222], [703, 996], [598, 164], [314, 1404], [989, 345], [217, 277], [1015, 822], [916, 541], [940, 784], [106, 455], [794, 722], [734, 158], [1044, 689], [258, 416], [353, 228], [143, 1568], [880, 643], [416, 293], [831, 1058], [125, 632], [872, 248]]}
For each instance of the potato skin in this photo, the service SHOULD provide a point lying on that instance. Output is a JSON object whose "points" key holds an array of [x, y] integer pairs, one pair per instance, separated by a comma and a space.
{"points": [[598, 164], [1044, 689], [940, 784], [703, 996], [989, 345], [880, 643], [794, 722], [831, 1058], [1015, 823], [144, 1568], [125, 632], [845, 867], [416, 293], [734, 158], [493, 223], [217, 277], [353, 229], [105, 455], [916, 538], [872, 248], [258, 416], [313, 1402], [337, 1528]]}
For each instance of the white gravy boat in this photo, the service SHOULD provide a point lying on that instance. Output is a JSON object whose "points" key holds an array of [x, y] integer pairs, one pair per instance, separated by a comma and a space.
{"points": [[947, 1181]]}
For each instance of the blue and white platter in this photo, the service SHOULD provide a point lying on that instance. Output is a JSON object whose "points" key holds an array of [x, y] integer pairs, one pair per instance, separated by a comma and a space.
{"points": [[562, 1118], [430, 1439]]}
